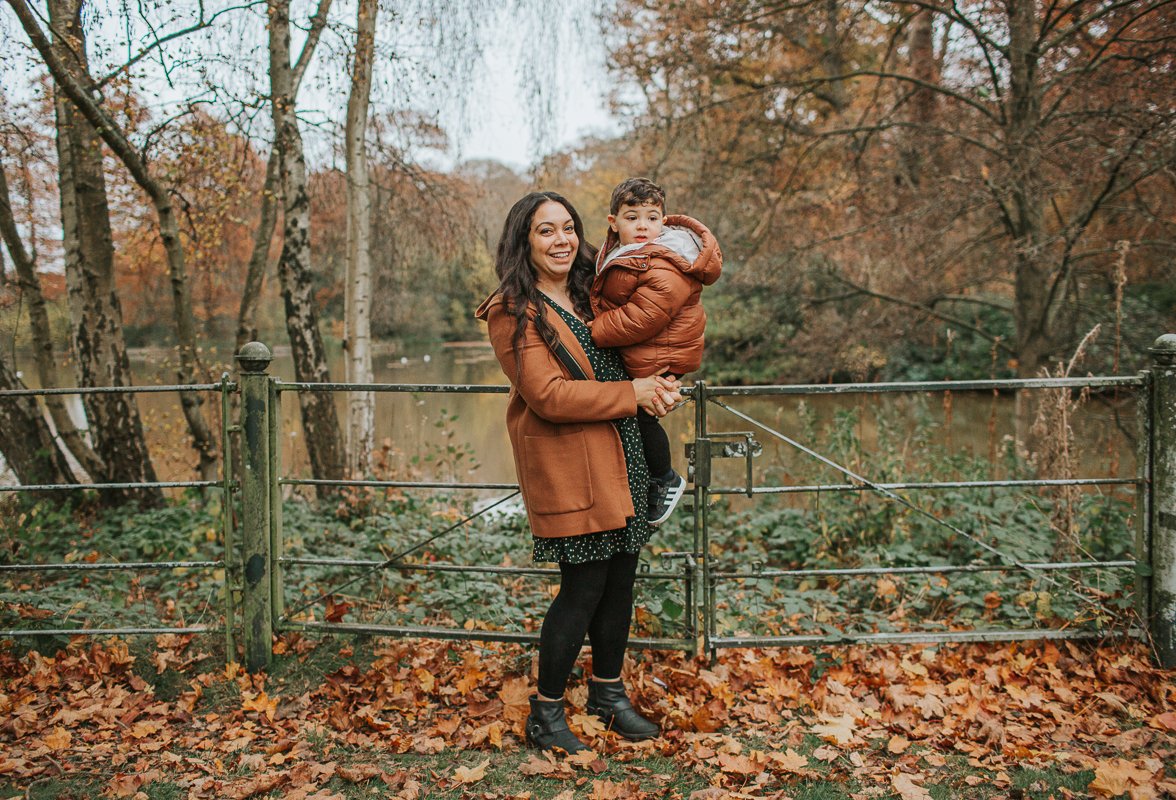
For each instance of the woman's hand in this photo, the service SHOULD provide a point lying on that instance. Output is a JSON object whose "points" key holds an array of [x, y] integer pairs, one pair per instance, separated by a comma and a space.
{"points": [[657, 395]]}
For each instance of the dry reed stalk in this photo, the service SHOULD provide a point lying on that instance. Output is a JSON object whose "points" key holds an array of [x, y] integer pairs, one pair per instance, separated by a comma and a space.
{"points": [[1058, 451]]}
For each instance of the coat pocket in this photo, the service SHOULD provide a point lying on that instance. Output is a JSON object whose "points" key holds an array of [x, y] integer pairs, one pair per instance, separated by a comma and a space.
{"points": [[558, 478]]}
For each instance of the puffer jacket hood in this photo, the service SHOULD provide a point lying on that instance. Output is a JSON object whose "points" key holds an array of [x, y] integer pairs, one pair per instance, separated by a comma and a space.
{"points": [[685, 242], [647, 298]]}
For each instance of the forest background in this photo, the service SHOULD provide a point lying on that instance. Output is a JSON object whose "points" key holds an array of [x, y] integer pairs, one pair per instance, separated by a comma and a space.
{"points": [[903, 190]]}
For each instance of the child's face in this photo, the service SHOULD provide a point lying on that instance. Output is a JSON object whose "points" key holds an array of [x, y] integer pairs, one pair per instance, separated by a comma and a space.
{"points": [[637, 224]]}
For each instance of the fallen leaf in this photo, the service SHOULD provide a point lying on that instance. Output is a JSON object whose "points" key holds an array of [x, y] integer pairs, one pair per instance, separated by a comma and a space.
{"points": [[358, 773], [1115, 777], [58, 740], [826, 753], [907, 788], [465, 775], [789, 761], [710, 793], [589, 724], [1165, 721], [737, 765], [262, 704], [898, 744], [838, 731], [544, 765]]}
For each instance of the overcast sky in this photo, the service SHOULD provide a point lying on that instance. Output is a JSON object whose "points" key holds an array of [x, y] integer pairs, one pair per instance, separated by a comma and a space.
{"points": [[484, 109]]}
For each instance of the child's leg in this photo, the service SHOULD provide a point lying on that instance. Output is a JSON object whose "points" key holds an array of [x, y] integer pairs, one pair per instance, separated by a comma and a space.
{"points": [[656, 444]]}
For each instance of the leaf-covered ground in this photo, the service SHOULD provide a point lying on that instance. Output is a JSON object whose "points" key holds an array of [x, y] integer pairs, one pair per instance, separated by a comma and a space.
{"points": [[417, 719]]}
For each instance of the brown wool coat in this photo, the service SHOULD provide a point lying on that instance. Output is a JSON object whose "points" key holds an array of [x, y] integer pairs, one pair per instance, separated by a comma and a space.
{"points": [[648, 301], [567, 452]]}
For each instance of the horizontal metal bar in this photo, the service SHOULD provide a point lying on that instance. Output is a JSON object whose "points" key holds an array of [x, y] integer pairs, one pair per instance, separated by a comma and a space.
{"points": [[452, 388], [106, 631], [444, 567], [105, 566], [928, 570], [438, 632], [179, 387], [916, 637], [394, 484], [850, 487], [61, 487], [925, 386]]}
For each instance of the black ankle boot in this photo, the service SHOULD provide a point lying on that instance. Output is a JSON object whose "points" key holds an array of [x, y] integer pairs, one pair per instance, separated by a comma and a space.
{"points": [[547, 727], [607, 700]]}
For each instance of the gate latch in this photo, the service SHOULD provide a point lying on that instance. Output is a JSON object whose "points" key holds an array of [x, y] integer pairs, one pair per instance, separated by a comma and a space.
{"points": [[732, 444]]}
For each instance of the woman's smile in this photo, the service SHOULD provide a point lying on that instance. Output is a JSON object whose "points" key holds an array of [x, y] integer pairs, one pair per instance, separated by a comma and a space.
{"points": [[553, 243]]}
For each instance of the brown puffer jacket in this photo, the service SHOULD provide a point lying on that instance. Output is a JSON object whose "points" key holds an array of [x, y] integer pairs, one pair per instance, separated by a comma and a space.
{"points": [[647, 297]]}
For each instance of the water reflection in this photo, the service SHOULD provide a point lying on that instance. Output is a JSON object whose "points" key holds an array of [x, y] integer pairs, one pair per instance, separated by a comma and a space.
{"points": [[462, 437]]}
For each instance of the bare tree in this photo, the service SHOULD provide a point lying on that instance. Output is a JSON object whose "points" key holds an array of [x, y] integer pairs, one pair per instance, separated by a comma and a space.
{"points": [[95, 316], [357, 313], [320, 422], [1029, 136], [70, 71]]}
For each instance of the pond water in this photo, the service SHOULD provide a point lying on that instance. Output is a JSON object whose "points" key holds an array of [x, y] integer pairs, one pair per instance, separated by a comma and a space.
{"points": [[462, 437]]}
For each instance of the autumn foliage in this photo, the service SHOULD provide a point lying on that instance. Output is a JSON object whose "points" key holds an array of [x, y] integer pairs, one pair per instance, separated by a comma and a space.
{"points": [[420, 719]]}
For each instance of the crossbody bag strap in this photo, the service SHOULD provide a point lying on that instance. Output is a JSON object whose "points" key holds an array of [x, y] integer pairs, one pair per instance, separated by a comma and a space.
{"points": [[568, 360]]}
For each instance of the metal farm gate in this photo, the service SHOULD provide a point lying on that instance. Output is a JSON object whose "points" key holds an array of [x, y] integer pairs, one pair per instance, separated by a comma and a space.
{"points": [[255, 603]]}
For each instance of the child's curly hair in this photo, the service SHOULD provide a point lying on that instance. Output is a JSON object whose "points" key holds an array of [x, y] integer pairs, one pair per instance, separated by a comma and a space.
{"points": [[637, 192]]}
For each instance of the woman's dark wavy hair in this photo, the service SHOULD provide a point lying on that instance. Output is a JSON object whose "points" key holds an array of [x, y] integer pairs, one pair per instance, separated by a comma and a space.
{"points": [[516, 273]]}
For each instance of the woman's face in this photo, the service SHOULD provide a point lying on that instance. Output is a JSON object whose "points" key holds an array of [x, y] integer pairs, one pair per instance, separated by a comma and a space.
{"points": [[553, 243]]}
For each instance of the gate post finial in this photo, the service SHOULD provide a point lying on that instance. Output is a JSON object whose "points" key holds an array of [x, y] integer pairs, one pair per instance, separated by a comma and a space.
{"points": [[254, 359], [1162, 508]]}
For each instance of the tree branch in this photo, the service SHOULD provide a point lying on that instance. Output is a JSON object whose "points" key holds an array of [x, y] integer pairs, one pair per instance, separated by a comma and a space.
{"points": [[106, 127], [896, 76], [159, 41], [317, 23], [996, 340]]}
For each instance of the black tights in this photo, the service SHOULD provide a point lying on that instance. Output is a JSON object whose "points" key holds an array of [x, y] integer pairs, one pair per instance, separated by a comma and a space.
{"points": [[655, 443], [594, 598]]}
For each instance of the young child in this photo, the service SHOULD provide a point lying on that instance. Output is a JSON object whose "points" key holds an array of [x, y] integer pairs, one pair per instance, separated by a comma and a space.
{"points": [[649, 276]]}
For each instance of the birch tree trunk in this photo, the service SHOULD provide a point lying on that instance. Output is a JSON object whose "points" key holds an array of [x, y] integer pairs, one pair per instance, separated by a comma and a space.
{"points": [[30, 285], [100, 353], [258, 259], [320, 422], [357, 298], [67, 64]]}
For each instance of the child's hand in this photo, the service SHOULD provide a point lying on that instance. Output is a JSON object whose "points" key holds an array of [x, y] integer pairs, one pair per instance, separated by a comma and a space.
{"points": [[656, 394]]}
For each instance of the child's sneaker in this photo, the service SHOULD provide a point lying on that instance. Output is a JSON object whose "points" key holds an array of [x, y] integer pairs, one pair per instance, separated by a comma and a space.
{"points": [[664, 497]]}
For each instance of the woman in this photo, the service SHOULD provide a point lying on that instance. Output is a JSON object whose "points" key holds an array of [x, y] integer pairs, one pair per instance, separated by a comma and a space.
{"points": [[572, 426]]}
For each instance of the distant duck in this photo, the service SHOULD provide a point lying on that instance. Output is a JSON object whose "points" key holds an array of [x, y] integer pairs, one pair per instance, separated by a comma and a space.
{"points": [[404, 359], [426, 358]]}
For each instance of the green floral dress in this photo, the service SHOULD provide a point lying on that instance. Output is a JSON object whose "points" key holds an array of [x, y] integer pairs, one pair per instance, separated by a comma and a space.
{"points": [[598, 546]]}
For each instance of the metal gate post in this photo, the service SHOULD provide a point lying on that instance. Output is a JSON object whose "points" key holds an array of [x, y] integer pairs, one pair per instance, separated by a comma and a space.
{"points": [[274, 441], [227, 537], [253, 360], [703, 612], [1162, 500]]}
